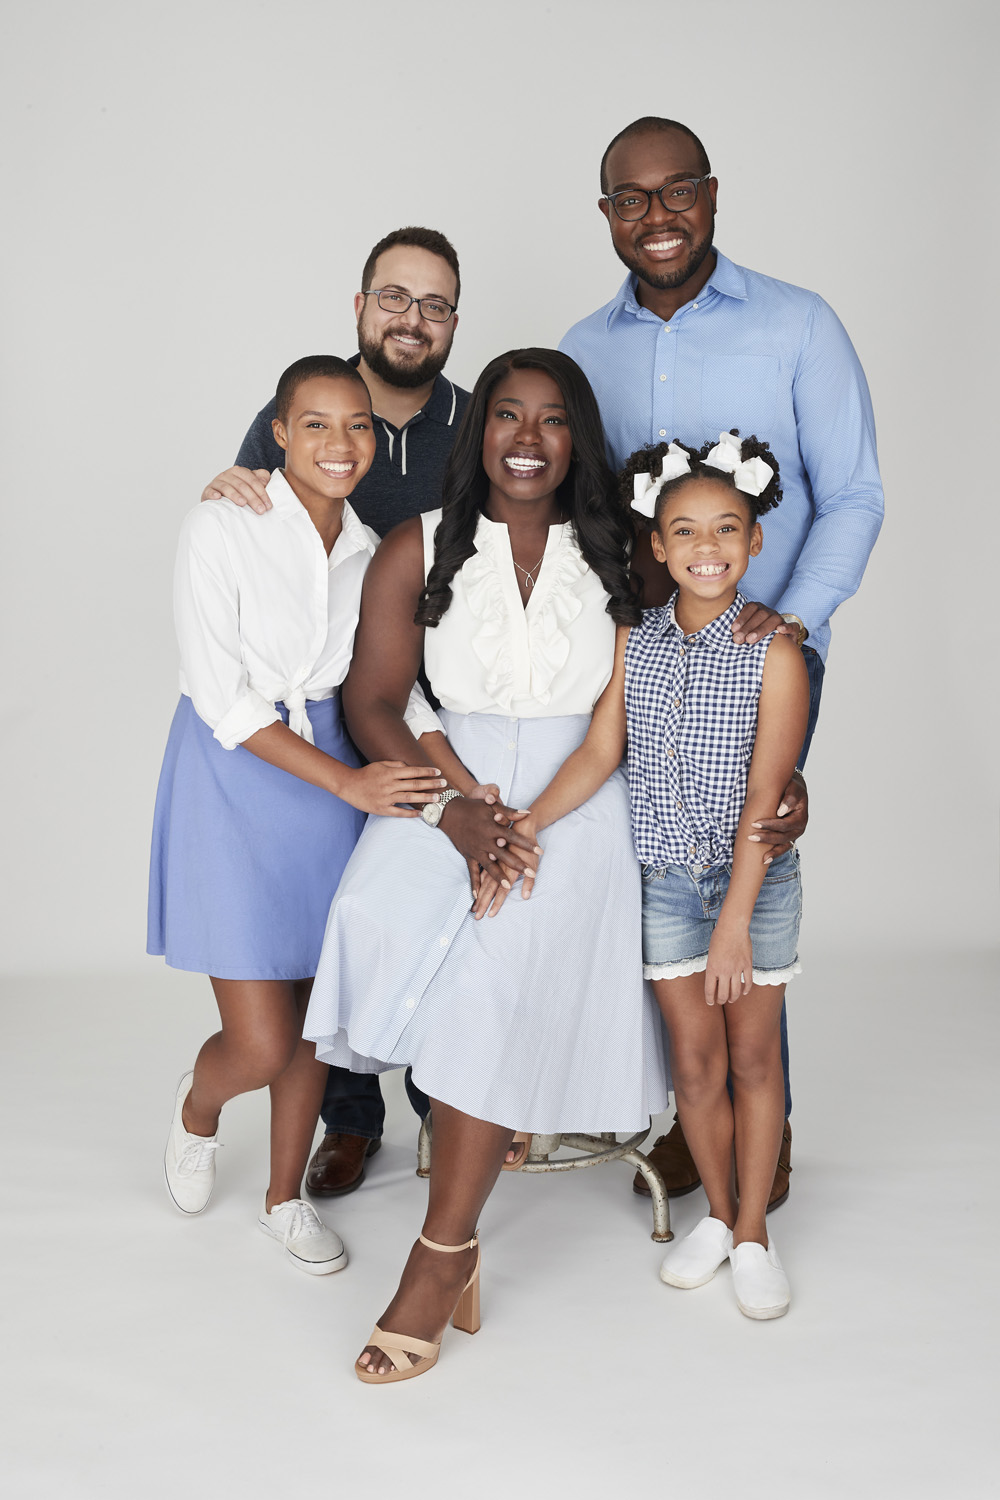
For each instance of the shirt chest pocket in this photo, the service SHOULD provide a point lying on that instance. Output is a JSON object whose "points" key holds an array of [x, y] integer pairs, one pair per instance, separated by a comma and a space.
{"points": [[739, 390]]}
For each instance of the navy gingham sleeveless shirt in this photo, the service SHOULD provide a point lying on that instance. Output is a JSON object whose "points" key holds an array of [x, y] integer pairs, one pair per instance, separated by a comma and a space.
{"points": [[692, 719]]}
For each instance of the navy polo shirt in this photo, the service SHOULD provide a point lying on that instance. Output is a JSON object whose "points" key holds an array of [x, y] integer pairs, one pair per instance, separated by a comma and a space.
{"points": [[406, 473]]}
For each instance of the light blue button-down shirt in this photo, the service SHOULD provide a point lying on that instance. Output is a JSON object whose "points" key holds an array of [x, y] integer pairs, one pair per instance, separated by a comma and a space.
{"points": [[774, 360]]}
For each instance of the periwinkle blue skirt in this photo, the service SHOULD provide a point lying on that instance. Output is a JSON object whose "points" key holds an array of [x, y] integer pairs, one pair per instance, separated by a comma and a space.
{"points": [[246, 858], [537, 1018]]}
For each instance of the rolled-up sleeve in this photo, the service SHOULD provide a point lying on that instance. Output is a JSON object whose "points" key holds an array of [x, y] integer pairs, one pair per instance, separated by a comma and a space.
{"points": [[836, 434], [419, 716], [206, 617]]}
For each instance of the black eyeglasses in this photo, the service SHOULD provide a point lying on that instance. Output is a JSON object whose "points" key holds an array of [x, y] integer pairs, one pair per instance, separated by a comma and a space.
{"points": [[635, 203], [431, 308]]}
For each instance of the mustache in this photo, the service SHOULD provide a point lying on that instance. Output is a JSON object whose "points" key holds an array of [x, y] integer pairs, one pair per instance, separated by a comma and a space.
{"points": [[409, 332]]}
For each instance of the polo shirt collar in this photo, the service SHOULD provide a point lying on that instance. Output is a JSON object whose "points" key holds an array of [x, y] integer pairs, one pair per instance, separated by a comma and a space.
{"points": [[728, 279], [441, 407], [717, 633]]}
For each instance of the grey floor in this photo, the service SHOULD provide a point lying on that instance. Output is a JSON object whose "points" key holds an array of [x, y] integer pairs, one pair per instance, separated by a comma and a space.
{"points": [[151, 1356]]}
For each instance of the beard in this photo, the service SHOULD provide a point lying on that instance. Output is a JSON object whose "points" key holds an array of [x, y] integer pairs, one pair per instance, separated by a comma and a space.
{"points": [[404, 372], [674, 276]]}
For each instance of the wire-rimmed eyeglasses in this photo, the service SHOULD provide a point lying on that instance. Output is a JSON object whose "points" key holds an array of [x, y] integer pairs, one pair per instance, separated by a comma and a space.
{"points": [[431, 308]]}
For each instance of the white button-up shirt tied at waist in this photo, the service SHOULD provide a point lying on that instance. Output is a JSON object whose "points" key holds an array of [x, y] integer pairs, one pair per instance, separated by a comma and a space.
{"points": [[264, 616]]}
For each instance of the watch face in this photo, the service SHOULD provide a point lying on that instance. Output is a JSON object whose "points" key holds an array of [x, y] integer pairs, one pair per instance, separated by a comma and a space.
{"points": [[431, 813]]}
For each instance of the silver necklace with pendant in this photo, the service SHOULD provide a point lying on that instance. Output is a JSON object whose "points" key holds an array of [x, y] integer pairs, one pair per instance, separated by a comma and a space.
{"points": [[529, 581]]}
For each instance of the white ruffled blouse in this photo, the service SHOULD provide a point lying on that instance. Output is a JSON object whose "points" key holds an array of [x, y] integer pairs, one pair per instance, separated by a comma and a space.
{"points": [[491, 655]]}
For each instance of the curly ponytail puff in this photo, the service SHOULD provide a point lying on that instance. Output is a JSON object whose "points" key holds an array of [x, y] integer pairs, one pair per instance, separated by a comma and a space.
{"points": [[650, 461], [750, 447]]}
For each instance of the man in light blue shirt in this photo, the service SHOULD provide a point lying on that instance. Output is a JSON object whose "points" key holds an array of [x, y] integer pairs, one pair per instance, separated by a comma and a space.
{"points": [[694, 345]]}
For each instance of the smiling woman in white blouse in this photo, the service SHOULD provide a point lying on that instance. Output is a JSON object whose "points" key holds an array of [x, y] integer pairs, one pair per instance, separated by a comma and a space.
{"points": [[261, 797], [536, 1019]]}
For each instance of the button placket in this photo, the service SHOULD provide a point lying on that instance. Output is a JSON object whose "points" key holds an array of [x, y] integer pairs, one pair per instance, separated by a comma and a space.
{"points": [[664, 370]]}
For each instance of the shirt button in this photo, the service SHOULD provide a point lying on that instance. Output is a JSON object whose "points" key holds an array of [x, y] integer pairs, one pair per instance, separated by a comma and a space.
{"points": [[663, 432], [692, 848], [410, 1003], [695, 306], [679, 806], [667, 328], [444, 942], [682, 650], [677, 703], [663, 377], [512, 744], [670, 752]]}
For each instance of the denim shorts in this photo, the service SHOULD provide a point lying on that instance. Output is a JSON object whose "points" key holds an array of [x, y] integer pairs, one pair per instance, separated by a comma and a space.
{"points": [[681, 905]]}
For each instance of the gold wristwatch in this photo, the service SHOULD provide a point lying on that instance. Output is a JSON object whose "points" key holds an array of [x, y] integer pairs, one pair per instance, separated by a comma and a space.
{"points": [[800, 638]]}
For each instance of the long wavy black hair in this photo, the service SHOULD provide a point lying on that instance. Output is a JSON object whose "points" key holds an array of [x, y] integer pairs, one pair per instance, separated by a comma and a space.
{"points": [[604, 529]]}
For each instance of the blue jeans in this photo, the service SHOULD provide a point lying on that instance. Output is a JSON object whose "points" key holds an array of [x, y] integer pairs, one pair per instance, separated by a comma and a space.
{"points": [[815, 668], [353, 1103]]}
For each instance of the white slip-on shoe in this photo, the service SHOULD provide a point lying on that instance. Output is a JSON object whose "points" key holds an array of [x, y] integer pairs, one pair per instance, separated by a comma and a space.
{"points": [[309, 1243], [694, 1261], [760, 1283], [189, 1160]]}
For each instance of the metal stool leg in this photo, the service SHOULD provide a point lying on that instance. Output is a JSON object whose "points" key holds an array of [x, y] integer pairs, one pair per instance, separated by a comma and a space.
{"points": [[424, 1148], [662, 1231]]}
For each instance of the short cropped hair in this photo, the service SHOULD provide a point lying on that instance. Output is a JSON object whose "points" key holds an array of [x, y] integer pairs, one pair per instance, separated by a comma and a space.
{"points": [[422, 239], [329, 365], [652, 125]]}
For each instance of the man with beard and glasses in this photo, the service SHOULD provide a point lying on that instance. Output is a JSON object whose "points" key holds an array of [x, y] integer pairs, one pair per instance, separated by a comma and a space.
{"points": [[694, 345], [406, 312]]}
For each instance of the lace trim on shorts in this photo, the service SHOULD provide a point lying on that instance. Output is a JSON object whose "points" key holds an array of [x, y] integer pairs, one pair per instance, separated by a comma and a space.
{"points": [[698, 966]]}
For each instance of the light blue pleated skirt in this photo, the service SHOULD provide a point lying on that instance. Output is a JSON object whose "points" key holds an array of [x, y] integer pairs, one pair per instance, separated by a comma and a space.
{"points": [[537, 1018], [246, 858]]}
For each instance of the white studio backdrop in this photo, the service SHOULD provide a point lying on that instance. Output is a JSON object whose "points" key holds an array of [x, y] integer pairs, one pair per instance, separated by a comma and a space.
{"points": [[191, 191]]}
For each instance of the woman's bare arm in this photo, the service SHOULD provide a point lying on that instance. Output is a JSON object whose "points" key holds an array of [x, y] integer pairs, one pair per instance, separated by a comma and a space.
{"points": [[387, 652]]}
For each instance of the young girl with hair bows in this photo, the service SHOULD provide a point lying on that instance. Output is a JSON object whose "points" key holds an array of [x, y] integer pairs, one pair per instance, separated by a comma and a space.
{"points": [[262, 796], [713, 731]]}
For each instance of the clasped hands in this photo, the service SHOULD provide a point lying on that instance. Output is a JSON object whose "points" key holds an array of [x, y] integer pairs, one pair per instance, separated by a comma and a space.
{"points": [[499, 845]]}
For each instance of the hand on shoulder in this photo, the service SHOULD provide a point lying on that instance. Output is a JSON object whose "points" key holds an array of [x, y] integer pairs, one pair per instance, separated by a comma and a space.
{"points": [[244, 487]]}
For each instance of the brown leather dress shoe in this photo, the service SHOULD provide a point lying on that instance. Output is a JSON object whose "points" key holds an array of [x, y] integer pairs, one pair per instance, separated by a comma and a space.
{"points": [[673, 1161], [779, 1188], [338, 1165]]}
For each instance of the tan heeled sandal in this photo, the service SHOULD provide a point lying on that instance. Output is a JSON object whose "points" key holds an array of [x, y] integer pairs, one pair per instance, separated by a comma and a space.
{"points": [[524, 1141], [397, 1347]]}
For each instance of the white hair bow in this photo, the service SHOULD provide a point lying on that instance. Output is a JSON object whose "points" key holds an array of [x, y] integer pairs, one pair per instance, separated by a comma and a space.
{"points": [[752, 475], [645, 488]]}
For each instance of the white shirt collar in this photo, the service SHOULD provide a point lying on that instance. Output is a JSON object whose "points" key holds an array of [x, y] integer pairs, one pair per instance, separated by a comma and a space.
{"points": [[354, 535]]}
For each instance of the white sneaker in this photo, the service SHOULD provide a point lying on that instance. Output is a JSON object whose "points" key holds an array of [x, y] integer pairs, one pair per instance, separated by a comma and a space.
{"points": [[761, 1286], [694, 1261], [308, 1242], [189, 1160]]}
